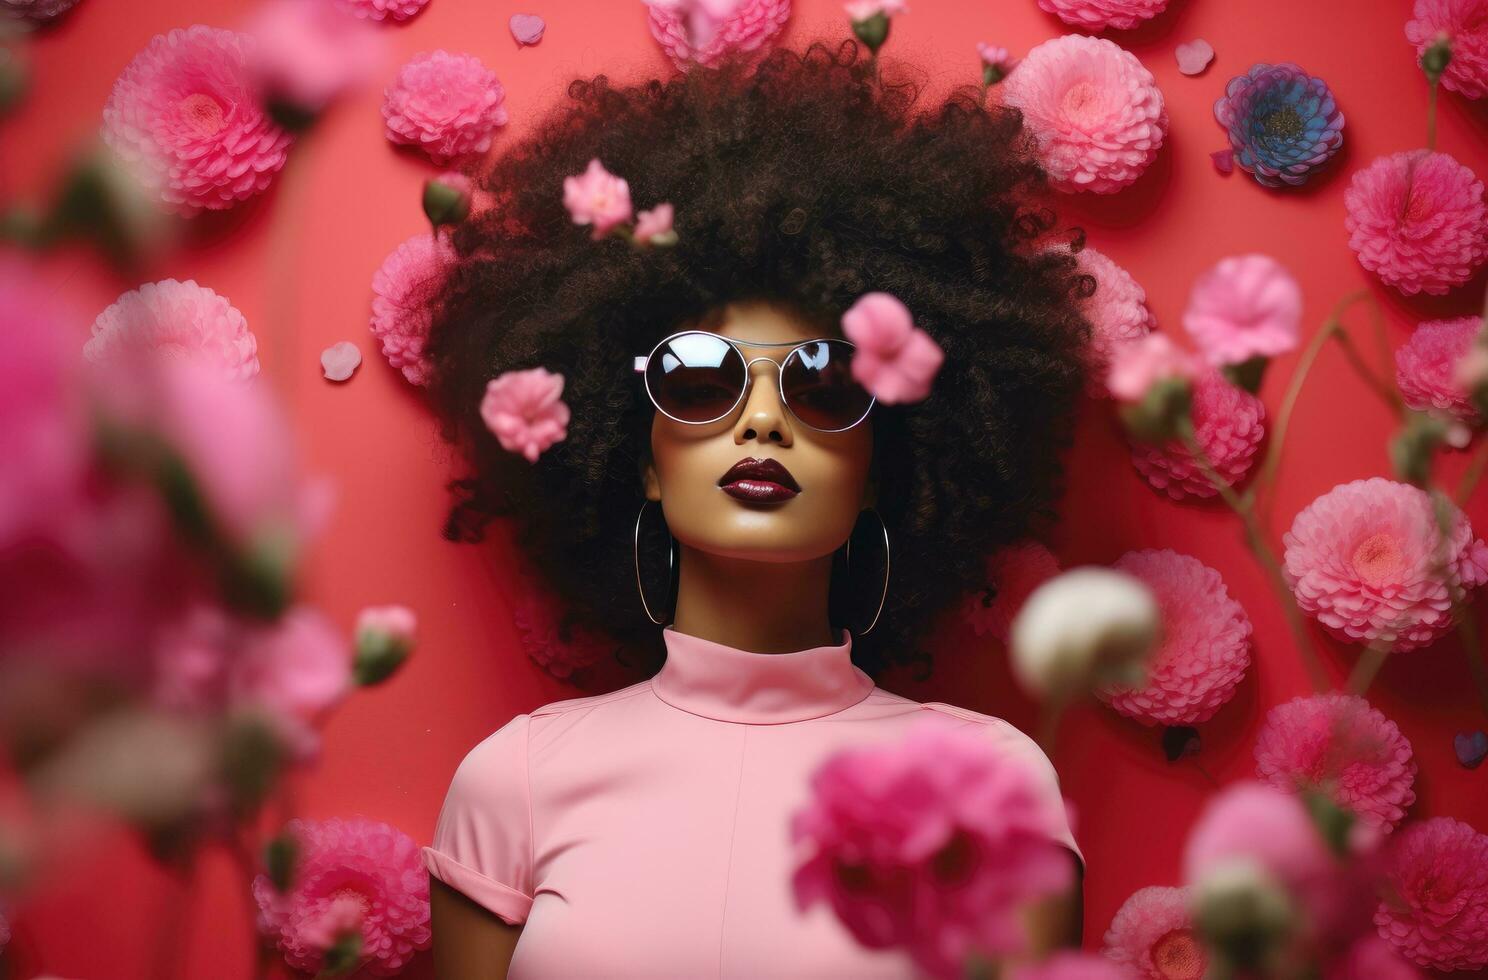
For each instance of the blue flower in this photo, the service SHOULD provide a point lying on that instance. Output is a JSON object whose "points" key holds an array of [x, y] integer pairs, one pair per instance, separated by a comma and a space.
{"points": [[1283, 124]]}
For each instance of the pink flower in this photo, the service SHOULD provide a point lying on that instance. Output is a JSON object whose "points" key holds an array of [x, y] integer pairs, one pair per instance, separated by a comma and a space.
{"points": [[525, 411], [1467, 33], [374, 867], [1095, 110], [309, 52], [654, 224], [992, 54], [1426, 367], [553, 642], [1417, 220], [1229, 424], [1246, 306], [690, 32], [597, 197], [447, 105], [398, 623], [398, 10], [1153, 936], [1097, 15], [1338, 744], [931, 844], [402, 294], [1436, 895], [1139, 364], [187, 116], [1117, 311], [37, 11], [861, 10], [1012, 575], [1373, 958], [1360, 559], [1252, 822], [1069, 965], [895, 360], [1205, 648], [177, 319]]}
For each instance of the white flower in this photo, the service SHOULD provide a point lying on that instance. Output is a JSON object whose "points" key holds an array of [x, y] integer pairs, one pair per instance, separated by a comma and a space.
{"points": [[1088, 626]]}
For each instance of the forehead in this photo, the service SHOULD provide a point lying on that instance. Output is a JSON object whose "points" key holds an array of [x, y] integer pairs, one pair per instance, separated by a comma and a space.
{"points": [[762, 323]]}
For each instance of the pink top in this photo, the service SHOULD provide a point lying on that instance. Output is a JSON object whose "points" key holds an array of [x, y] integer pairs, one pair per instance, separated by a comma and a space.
{"points": [[645, 832]]}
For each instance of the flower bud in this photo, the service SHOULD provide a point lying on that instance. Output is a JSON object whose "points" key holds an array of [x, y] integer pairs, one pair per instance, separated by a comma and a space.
{"points": [[447, 199], [872, 31], [1160, 415], [384, 638], [281, 854], [1247, 374], [1088, 627], [1414, 447], [1436, 58], [1244, 914]]}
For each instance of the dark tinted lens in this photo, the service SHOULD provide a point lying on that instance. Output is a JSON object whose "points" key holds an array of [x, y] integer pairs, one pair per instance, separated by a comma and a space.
{"points": [[695, 377], [819, 386]]}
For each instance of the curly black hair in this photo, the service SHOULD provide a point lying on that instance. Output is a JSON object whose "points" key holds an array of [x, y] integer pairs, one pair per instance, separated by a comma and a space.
{"points": [[805, 179]]}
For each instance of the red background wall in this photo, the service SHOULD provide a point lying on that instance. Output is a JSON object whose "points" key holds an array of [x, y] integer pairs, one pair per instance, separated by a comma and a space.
{"points": [[298, 263]]}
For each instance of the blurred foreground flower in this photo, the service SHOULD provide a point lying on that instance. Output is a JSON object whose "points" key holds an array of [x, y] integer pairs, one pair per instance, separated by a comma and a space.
{"points": [[1244, 311], [1461, 24], [1013, 573], [1086, 627], [177, 319], [895, 360], [447, 199], [36, 11], [403, 289], [308, 53], [1426, 368], [1228, 424]]}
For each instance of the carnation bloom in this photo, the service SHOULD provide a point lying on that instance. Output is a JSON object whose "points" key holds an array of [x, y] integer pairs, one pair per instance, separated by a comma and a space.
{"points": [[1338, 744], [401, 309], [1426, 367], [383, 9], [1070, 965], [1282, 123], [1139, 364], [1466, 29], [1360, 559], [1117, 311], [1095, 110], [309, 53], [447, 105], [931, 844], [186, 114], [525, 411], [1097, 15], [1417, 220], [1229, 424], [750, 26], [1013, 573], [1246, 306], [1435, 909], [177, 319], [553, 642], [361, 866], [895, 360], [597, 197], [1205, 642], [1152, 935]]}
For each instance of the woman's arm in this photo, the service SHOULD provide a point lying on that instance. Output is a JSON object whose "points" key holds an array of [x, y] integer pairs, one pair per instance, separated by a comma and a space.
{"points": [[470, 943]]}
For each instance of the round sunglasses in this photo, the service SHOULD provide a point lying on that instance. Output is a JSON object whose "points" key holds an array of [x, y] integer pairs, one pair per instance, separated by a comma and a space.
{"points": [[697, 377]]}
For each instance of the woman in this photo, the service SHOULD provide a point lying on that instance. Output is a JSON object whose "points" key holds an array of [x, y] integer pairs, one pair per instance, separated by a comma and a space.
{"points": [[729, 498]]}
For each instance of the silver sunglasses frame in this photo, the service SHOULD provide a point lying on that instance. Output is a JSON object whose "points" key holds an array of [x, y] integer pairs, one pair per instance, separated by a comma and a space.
{"points": [[642, 360]]}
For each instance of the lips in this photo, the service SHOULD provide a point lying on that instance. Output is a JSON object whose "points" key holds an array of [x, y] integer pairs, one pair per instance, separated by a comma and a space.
{"points": [[754, 479]]}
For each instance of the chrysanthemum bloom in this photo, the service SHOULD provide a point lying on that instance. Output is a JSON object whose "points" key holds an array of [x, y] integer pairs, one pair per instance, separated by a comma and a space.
{"points": [[1138, 365], [1426, 367], [554, 644], [177, 319], [1435, 909], [1152, 935], [895, 360], [1084, 627], [1466, 28], [1097, 15], [398, 10], [1012, 575], [308, 54], [525, 411], [1095, 110], [1338, 744], [187, 115], [751, 26], [1117, 311], [598, 198], [1360, 557], [931, 844], [1417, 220], [1229, 424], [1205, 642], [1070, 965], [36, 11], [1246, 306], [447, 105], [1373, 958], [401, 294], [375, 866], [1282, 123]]}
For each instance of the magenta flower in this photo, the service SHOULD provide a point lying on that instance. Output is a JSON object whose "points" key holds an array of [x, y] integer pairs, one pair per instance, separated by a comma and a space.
{"points": [[1254, 823], [1417, 220], [447, 105], [1152, 935], [599, 198], [557, 645], [1372, 957], [701, 32], [1426, 367], [895, 360], [1139, 364], [655, 226], [1435, 909], [177, 319], [1229, 424], [397, 10], [372, 871], [186, 114], [1013, 573], [1467, 33], [1246, 306], [402, 293], [1117, 312], [1070, 965], [1205, 646], [309, 53], [1095, 110], [1360, 559], [932, 844], [525, 411], [1098, 15]]}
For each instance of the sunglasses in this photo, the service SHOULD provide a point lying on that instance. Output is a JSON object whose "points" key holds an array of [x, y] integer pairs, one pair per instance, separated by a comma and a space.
{"points": [[699, 377]]}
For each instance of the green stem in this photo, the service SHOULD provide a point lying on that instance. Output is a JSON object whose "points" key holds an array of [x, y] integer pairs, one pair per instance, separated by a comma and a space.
{"points": [[1473, 473], [1431, 118], [1367, 668], [1467, 629], [1384, 389]]}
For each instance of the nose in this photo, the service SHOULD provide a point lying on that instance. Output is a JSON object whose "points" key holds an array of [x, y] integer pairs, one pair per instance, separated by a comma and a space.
{"points": [[764, 415]]}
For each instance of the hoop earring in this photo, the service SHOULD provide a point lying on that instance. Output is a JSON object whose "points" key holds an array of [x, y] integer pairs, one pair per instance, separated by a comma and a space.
{"points": [[885, 593], [671, 563]]}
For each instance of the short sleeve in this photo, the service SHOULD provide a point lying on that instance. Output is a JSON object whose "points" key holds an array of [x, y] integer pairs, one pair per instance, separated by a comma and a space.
{"points": [[483, 839]]}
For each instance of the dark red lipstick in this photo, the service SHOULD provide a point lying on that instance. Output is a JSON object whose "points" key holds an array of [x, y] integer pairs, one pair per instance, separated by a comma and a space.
{"points": [[759, 480]]}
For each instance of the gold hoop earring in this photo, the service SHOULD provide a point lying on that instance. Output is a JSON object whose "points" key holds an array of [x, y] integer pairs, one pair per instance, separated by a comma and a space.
{"points": [[883, 596], [671, 564]]}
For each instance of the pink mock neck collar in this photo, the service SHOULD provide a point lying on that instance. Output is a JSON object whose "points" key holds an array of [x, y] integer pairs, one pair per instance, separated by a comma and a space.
{"points": [[728, 684]]}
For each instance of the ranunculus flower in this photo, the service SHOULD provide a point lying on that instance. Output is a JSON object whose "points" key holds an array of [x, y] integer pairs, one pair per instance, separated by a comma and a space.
{"points": [[1013, 573], [402, 293], [1435, 909], [598, 198], [1081, 628], [1466, 30], [1426, 367], [525, 411], [177, 319], [447, 105], [1246, 306], [895, 360], [1283, 124], [704, 32], [1229, 424], [1097, 15], [1152, 935]]}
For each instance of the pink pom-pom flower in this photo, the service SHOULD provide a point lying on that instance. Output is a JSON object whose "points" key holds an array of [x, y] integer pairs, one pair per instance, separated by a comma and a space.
{"points": [[1466, 29], [1095, 110], [1013, 573], [187, 116], [1097, 15], [1246, 306], [401, 309], [398, 10], [1152, 935], [748, 25], [525, 411], [1435, 909], [1360, 558], [1417, 220], [176, 319], [349, 875], [597, 198], [1205, 647], [1252, 822], [895, 360], [1426, 367], [1070, 965], [1229, 424], [447, 105], [1117, 312]]}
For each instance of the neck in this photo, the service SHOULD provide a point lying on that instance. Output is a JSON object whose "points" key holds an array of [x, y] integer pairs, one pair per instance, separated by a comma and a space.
{"points": [[759, 606]]}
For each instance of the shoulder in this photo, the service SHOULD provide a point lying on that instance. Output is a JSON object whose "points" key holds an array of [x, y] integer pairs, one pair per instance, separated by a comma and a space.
{"points": [[506, 749]]}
